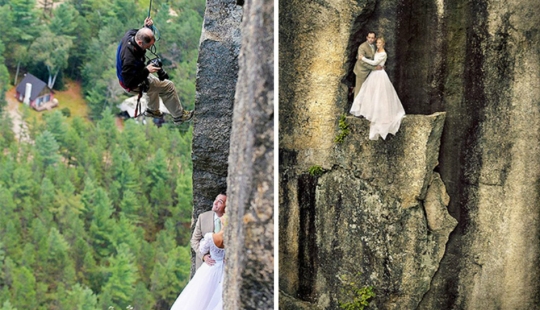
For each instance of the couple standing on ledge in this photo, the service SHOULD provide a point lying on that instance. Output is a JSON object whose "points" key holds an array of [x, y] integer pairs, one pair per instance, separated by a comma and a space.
{"points": [[374, 95]]}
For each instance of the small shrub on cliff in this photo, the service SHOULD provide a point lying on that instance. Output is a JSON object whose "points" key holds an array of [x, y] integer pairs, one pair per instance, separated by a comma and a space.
{"points": [[358, 297], [343, 129], [316, 170]]}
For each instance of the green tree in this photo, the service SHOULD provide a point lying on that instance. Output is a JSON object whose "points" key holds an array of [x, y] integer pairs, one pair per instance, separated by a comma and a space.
{"points": [[23, 288], [59, 267], [24, 18], [7, 137], [38, 237], [171, 271], [102, 225], [142, 298], [125, 176], [67, 206], [47, 148], [64, 20], [57, 126], [7, 306], [4, 78], [130, 206], [12, 239], [80, 298], [121, 275], [53, 51]]}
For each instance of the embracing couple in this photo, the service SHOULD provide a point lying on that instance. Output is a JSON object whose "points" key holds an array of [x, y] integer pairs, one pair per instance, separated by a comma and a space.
{"points": [[374, 95], [204, 291]]}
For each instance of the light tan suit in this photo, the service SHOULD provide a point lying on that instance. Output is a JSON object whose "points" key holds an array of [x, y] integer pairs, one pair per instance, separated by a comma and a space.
{"points": [[204, 225], [361, 68]]}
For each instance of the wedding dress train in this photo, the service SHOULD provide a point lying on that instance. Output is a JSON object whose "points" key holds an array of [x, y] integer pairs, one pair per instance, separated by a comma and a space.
{"points": [[204, 291]]}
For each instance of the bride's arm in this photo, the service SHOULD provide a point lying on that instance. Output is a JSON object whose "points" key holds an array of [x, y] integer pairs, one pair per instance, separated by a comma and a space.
{"points": [[204, 246], [375, 62]]}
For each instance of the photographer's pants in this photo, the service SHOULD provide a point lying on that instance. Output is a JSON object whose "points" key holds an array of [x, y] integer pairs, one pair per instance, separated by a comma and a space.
{"points": [[164, 89]]}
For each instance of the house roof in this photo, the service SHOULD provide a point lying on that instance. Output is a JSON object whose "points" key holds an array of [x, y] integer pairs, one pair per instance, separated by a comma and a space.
{"points": [[37, 86]]}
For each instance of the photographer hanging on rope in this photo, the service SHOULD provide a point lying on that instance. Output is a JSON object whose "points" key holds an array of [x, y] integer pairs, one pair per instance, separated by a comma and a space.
{"points": [[135, 76]]}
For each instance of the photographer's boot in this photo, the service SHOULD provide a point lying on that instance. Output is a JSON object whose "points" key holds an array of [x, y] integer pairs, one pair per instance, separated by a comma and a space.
{"points": [[154, 114], [186, 116]]}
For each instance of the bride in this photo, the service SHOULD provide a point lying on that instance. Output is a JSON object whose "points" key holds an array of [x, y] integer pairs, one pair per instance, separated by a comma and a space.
{"points": [[204, 291], [377, 99]]}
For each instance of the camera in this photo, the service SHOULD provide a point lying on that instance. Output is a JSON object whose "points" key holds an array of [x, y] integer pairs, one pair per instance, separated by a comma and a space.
{"points": [[162, 75]]}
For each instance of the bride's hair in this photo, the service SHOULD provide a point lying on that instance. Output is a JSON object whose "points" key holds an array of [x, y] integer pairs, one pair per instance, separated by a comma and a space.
{"points": [[382, 39]]}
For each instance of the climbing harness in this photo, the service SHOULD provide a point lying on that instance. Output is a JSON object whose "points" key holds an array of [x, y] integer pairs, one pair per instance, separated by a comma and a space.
{"points": [[144, 85]]}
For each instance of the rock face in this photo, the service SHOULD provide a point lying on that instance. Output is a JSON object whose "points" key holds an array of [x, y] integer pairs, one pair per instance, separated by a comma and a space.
{"points": [[233, 142], [249, 276], [375, 217], [475, 60], [216, 83]]}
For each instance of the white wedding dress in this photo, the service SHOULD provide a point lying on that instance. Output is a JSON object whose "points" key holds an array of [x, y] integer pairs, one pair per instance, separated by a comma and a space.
{"points": [[204, 291], [378, 101]]}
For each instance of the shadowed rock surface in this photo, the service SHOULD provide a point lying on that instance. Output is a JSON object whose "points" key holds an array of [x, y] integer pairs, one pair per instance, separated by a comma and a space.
{"points": [[233, 142], [217, 73], [366, 218], [249, 277]]}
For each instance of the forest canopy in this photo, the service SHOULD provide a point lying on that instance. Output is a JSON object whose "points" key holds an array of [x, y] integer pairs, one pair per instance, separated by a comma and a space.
{"points": [[93, 216]]}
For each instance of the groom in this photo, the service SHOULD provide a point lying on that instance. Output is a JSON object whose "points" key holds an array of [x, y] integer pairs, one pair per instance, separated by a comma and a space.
{"points": [[207, 222], [361, 68]]}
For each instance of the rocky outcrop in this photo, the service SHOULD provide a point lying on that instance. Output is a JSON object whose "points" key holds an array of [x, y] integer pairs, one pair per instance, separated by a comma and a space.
{"points": [[476, 61], [233, 142], [377, 217], [217, 74], [249, 277]]}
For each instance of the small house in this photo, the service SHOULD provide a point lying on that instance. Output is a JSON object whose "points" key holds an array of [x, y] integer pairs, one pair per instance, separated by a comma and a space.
{"points": [[35, 93]]}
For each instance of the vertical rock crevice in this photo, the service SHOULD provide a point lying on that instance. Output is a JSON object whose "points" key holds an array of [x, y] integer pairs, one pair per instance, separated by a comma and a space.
{"points": [[249, 237], [233, 140], [307, 254]]}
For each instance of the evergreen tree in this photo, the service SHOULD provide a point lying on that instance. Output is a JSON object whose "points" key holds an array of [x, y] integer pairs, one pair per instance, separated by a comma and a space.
{"points": [[7, 306], [157, 168], [124, 232], [91, 275], [121, 278], [24, 17], [67, 205], [142, 298], [47, 148], [57, 126], [125, 176], [4, 78], [64, 20], [23, 289], [79, 298], [169, 276], [7, 137], [161, 197], [130, 206], [102, 225], [47, 196], [12, 239], [59, 265], [38, 237]]}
